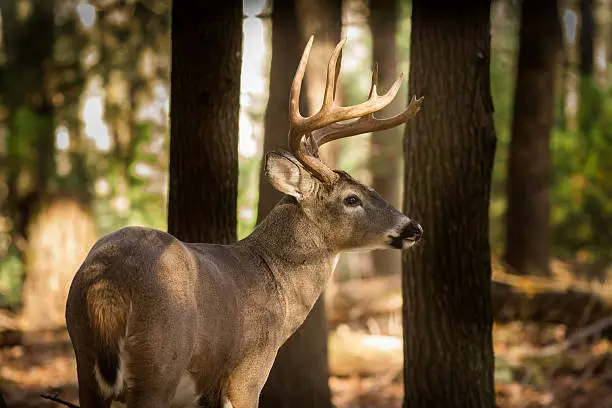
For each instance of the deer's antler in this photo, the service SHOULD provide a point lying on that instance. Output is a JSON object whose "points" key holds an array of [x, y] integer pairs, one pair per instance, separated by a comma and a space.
{"points": [[307, 134]]}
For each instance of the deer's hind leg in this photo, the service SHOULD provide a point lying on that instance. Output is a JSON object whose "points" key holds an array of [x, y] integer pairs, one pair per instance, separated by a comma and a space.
{"points": [[90, 395], [157, 355]]}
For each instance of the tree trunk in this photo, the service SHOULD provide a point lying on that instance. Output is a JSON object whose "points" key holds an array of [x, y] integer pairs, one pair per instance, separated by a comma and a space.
{"points": [[299, 376], [205, 102], [449, 151], [286, 53], [26, 84], [60, 233], [587, 36], [323, 19], [54, 230], [590, 94], [527, 217], [386, 145]]}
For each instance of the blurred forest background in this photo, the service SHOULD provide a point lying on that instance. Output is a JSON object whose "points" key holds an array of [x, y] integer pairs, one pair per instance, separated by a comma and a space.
{"points": [[84, 150]]}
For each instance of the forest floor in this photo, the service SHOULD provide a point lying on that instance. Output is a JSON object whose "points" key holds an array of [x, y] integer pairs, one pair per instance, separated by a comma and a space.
{"points": [[534, 368]]}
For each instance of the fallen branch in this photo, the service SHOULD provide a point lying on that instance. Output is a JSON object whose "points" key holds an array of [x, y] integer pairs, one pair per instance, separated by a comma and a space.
{"points": [[58, 400], [580, 335]]}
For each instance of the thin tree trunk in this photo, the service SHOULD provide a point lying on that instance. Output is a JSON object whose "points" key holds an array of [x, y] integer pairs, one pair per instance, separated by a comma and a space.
{"points": [[286, 53], [386, 146], [449, 150], [205, 102], [527, 217], [587, 37], [590, 104], [299, 376]]}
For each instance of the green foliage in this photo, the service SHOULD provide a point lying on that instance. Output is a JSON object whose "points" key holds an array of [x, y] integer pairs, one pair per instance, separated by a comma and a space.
{"points": [[11, 274], [581, 190]]}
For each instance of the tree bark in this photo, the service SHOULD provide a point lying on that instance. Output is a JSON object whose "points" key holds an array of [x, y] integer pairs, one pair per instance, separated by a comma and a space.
{"points": [[286, 54], [386, 145], [587, 37], [528, 213], [205, 102], [299, 376], [449, 150]]}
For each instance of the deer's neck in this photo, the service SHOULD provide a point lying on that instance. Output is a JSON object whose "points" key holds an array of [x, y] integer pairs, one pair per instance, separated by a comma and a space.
{"points": [[295, 251]]}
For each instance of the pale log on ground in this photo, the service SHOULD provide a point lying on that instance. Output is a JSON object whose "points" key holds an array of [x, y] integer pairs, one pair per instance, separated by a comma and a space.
{"points": [[353, 353]]}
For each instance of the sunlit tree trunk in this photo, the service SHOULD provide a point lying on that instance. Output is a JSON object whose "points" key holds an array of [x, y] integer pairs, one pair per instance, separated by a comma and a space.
{"points": [[386, 146], [204, 107], [449, 150], [60, 232], [299, 376], [528, 213]]}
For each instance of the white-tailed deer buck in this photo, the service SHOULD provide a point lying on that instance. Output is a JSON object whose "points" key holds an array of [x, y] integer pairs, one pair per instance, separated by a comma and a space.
{"points": [[156, 322]]}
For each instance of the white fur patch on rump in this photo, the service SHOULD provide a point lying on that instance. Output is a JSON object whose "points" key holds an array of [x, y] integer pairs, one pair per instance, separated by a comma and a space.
{"points": [[111, 390], [185, 395]]}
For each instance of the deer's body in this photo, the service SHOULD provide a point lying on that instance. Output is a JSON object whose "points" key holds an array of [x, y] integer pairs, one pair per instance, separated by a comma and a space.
{"points": [[231, 299], [156, 322]]}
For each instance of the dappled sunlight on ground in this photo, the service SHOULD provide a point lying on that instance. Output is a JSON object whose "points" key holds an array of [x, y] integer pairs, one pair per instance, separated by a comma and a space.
{"points": [[534, 368]]}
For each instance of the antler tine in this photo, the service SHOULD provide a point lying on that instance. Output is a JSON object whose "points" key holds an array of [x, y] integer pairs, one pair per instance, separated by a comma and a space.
{"points": [[300, 126], [333, 71], [373, 90], [294, 95], [306, 134]]}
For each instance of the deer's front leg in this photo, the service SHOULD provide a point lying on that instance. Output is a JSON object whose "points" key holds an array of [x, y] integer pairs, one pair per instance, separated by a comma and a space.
{"points": [[248, 379]]}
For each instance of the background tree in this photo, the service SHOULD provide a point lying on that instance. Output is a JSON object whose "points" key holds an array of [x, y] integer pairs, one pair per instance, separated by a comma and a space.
{"points": [[54, 228], [528, 213], [323, 19], [385, 146], [288, 386], [587, 37], [205, 101], [449, 150], [286, 53]]}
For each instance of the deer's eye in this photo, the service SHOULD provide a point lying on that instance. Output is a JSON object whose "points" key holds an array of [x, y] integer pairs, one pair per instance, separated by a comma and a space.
{"points": [[352, 201]]}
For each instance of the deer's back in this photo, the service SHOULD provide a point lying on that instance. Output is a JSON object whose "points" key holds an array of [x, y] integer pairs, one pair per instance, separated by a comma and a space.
{"points": [[222, 299]]}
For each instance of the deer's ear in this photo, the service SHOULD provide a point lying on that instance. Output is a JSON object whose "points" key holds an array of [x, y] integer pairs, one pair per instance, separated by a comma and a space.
{"points": [[288, 176]]}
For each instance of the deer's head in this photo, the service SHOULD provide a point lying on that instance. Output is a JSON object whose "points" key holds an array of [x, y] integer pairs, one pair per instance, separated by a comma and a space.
{"points": [[350, 214]]}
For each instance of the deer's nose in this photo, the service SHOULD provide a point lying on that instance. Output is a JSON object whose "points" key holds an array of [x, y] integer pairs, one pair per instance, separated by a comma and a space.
{"points": [[412, 231]]}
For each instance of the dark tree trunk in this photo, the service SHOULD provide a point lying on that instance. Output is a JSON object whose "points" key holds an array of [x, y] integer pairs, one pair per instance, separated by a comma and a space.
{"points": [[26, 84], [527, 217], [205, 101], [286, 53], [299, 376], [587, 36], [54, 231], [449, 150], [386, 146]]}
